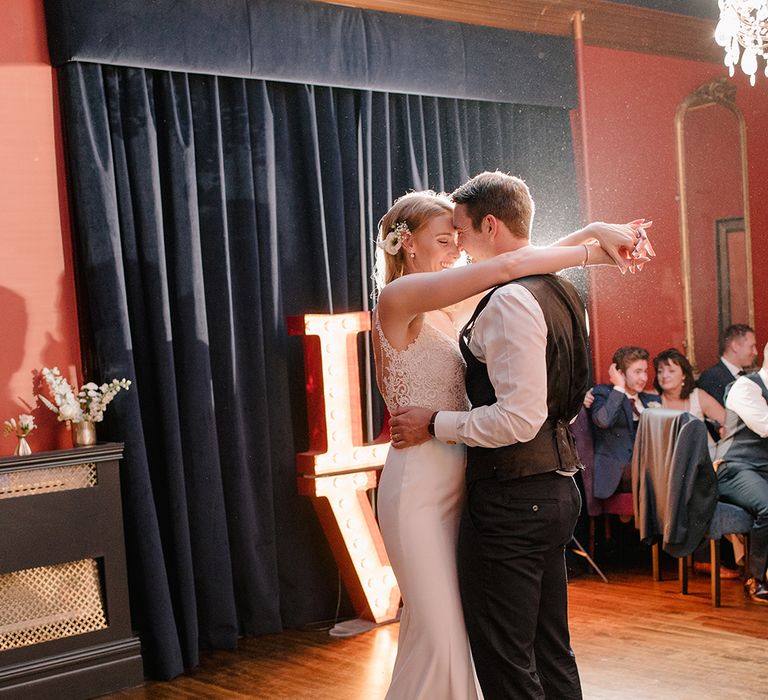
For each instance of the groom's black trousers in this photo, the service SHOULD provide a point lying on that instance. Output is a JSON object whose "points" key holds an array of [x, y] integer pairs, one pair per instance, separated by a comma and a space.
{"points": [[514, 587]]}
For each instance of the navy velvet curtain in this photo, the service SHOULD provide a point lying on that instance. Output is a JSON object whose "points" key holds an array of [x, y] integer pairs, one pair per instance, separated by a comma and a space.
{"points": [[318, 43], [206, 211]]}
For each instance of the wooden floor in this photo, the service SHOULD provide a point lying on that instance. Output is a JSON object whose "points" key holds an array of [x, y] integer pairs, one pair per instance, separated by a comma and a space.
{"points": [[633, 638]]}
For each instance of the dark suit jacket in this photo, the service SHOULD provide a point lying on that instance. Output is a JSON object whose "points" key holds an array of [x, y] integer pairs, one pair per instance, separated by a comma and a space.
{"points": [[615, 429], [714, 380], [673, 483]]}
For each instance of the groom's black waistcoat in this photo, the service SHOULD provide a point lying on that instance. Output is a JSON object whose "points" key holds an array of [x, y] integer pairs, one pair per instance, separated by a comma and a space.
{"points": [[553, 446]]}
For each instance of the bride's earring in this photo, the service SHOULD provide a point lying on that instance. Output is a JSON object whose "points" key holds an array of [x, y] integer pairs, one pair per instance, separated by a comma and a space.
{"points": [[412, 254]]}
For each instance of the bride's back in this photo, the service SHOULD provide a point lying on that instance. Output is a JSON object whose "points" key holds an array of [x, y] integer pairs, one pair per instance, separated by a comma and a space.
{"points": [[429, 372]]}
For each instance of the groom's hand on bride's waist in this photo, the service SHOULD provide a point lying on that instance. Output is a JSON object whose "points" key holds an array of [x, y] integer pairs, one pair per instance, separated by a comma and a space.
{"points": [[408, 426]]}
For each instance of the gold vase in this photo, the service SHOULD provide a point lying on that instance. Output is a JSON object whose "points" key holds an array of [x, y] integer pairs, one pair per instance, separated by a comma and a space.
{"points": [[84, 434]]}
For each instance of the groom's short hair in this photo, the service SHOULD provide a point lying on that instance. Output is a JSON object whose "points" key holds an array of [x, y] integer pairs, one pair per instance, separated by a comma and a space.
{"points": [[504, 196]]}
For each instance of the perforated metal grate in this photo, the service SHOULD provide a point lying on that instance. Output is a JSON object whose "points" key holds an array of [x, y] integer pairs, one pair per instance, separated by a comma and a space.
{"points": [[32, 482], [50, 602]]}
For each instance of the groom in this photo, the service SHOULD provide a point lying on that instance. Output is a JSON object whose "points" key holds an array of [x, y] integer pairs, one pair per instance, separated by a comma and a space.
{"points": [[527, 373]]}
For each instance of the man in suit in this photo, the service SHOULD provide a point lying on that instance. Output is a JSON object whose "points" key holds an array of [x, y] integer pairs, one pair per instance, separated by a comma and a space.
{"points": [[738, 349], [741, 461], [615, 412], [527, 367]]}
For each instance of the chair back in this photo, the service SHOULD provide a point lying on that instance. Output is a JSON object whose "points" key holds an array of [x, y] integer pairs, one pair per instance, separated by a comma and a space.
{"points": [[582, 433], [619, 503]]}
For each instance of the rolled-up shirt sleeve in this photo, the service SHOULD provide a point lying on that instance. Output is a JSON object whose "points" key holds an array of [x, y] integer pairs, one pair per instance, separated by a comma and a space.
{"points": [[510, 336], [746, 400]]}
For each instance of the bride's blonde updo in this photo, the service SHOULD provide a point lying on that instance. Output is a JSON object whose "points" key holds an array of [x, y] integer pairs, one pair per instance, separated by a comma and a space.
{"points": [[414, 210]]}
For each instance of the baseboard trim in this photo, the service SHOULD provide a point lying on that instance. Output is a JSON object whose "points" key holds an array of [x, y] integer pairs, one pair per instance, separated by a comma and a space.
{"points": [[84, 673]]}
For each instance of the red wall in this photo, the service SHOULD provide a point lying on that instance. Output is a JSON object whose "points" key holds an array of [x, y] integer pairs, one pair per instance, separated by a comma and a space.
{"points": [[630, 105], [37, 301]]}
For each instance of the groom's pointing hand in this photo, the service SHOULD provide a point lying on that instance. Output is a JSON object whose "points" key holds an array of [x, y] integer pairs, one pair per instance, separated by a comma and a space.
{"points": [[408, 426]]}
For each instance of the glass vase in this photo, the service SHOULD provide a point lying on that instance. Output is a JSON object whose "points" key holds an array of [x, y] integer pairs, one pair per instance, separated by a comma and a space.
{"points": [[22, 447], [84, 434]]}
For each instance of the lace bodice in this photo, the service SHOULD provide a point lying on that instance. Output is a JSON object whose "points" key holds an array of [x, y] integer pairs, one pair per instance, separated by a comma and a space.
{"points": [[428, 373]]}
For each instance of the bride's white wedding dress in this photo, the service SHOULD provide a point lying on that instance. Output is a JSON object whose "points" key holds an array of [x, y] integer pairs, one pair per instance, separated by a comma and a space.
{"points": [[420, 498]]}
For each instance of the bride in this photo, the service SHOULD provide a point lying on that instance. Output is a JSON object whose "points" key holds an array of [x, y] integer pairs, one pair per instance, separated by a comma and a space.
{"points": [[418, 363]]}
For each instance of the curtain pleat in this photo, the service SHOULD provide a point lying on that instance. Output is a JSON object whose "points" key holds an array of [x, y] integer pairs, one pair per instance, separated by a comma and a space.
{"points": [[206, 211]]}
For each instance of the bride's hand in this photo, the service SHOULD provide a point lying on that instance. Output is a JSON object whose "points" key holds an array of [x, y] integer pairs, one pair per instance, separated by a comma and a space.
{"points": [[643, 247], [627, 245], [617, 240], [597, 256]]}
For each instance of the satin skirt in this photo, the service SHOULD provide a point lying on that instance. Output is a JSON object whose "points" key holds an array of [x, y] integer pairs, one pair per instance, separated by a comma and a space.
{"points": [[420, 499]]}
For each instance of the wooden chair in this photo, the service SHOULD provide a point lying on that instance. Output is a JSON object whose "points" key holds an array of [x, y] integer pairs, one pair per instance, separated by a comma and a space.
{"points": [[674, 486], [727, 520]]}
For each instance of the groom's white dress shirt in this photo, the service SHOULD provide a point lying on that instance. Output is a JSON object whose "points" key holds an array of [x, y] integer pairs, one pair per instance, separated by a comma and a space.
{"points": [[510, 336]]}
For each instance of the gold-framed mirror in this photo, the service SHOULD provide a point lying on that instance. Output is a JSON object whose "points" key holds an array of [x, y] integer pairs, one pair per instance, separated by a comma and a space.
{"points": [[716, 251]]}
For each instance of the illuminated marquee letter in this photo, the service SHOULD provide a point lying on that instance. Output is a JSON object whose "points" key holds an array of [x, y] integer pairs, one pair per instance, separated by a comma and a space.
{"points": [[339, 469]]}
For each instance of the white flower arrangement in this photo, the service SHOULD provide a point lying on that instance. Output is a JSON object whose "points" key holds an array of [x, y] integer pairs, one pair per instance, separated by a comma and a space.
{"points": [[20, 428], [90, 402], [392, 242]]}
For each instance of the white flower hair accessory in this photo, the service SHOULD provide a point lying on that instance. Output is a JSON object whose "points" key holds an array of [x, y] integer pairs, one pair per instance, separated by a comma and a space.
{"points": [[394, 239]]}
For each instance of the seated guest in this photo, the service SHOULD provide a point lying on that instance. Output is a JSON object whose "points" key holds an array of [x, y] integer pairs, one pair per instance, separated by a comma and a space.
{"points": [[742, 466], [615, 411], [738, 349], [675, 383]]}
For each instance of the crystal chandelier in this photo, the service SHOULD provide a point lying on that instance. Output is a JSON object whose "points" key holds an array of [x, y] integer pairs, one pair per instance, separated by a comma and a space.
{"points": [[743, 23]]}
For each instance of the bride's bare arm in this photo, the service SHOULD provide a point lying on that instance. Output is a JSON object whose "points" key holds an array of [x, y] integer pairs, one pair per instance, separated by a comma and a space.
{"points": [[425, 291], [618, 240]]}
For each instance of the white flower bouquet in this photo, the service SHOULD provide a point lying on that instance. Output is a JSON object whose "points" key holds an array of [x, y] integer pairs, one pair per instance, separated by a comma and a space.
{"points": [[21, 427], [88, 404]]}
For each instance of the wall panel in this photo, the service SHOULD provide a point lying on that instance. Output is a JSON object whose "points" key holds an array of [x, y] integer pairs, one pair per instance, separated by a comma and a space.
{"points": [[37, 299]]}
